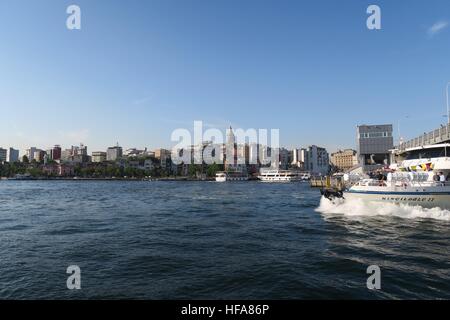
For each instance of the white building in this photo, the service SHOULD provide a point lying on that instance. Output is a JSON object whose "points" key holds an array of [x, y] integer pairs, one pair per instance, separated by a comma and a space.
{"points": [[253, 154], [38, 155], [98, 156], [30, 153], [295, 158], [315, 160]]}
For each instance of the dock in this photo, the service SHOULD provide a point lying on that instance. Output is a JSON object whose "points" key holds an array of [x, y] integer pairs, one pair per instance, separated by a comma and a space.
{"points": [[327, 182]]}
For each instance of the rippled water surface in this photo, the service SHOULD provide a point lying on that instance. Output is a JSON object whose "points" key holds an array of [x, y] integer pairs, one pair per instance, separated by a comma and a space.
{"points": [[200, 240]]}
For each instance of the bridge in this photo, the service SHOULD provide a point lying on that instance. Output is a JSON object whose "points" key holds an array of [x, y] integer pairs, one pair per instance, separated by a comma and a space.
{"points": [[440, 135]]}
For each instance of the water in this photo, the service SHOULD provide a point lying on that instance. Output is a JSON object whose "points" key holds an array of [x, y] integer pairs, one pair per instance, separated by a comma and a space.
{"points": [[207, 240]]}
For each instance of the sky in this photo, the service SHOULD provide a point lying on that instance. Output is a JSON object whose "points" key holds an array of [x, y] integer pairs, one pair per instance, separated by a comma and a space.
{"points": [[137, 70]]}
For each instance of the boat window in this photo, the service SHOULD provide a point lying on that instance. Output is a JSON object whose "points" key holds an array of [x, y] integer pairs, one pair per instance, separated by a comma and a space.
{"points": [[426, 153]]}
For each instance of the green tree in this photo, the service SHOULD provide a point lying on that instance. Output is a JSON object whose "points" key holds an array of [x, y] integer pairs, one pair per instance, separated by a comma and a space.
{"points": [[212, 169], [77, 171], [35, 172], [192, 170]]}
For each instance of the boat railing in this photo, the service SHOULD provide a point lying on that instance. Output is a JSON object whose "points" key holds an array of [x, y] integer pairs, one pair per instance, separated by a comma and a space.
{"points": [[400, 182], [418, 184]]}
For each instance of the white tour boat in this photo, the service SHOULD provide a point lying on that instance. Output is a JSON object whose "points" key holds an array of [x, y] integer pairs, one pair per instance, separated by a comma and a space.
{"points": [[411, 188], [419, 179], [276, 175]]}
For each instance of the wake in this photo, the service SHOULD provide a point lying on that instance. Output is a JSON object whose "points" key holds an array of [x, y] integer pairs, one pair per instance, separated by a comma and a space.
{"points": [[358, 207]]}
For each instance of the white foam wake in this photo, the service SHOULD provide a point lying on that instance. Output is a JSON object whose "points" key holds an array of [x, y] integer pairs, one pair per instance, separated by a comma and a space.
{"points": [[357, 207]]}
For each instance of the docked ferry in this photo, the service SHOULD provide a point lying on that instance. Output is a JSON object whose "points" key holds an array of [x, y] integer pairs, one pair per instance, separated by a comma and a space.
{"points": [[276, 175], [433, 157]]}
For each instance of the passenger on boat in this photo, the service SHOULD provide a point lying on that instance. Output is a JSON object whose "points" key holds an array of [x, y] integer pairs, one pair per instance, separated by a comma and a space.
{"points": [[381, 178], [436, 177], [442, 178]]}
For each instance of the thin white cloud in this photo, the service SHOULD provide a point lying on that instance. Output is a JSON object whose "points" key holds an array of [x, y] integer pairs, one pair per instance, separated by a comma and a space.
{"points": [[77, 136], [437, 27], [141, 101]]}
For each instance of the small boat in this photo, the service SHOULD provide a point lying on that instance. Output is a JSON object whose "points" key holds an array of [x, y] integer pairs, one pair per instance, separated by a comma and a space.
{"points": [[224, 176], [25, 176], [276, 175], [305, 176]]}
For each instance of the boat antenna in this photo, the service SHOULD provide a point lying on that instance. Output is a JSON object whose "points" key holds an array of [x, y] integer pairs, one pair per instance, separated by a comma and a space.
{"points": [[448, 111]]}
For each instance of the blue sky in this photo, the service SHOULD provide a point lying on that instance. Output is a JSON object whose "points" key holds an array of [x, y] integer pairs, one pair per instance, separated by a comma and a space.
{"points": [[137, 70]]}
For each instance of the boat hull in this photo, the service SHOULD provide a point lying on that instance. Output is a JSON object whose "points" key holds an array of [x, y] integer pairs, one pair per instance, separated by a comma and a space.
{"points": [[225, 179], [277, 179], [423, 199]]}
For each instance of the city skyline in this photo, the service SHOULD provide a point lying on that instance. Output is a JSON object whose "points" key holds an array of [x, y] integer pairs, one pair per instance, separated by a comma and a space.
{"points": [[135, 73]]}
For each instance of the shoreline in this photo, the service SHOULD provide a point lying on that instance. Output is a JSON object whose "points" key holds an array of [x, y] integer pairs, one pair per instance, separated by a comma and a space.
{"points": [[186, 179], [106, 179]]}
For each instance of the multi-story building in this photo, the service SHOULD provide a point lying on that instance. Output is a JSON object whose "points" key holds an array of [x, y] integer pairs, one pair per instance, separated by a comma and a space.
{"points": [[284, 158], [164, 158], [265, 156], [66, 155], [344, 160], [243, 154], [39, 155], [58, 169], [295, 158], [315, 160], [253, 154], [142, 164], [201, 153], [30, 153], [230, 150], [2, 155], [98, 156], [55, 153], [13, 155], [76, 154], [374, 143], [114, 153]]}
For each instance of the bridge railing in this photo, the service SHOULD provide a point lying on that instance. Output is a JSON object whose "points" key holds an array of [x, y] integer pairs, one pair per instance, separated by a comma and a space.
{"points": [[433, 137]]}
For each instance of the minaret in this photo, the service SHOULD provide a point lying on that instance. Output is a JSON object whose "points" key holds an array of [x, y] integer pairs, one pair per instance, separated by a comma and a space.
{"points": [[231, 139], [231, 154]]}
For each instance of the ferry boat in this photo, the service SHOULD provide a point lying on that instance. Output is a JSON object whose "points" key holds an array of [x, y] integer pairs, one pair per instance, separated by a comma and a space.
{"points": [[419, 179], [224, 176], [276, 175], [403, 188], [434, 157]]}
